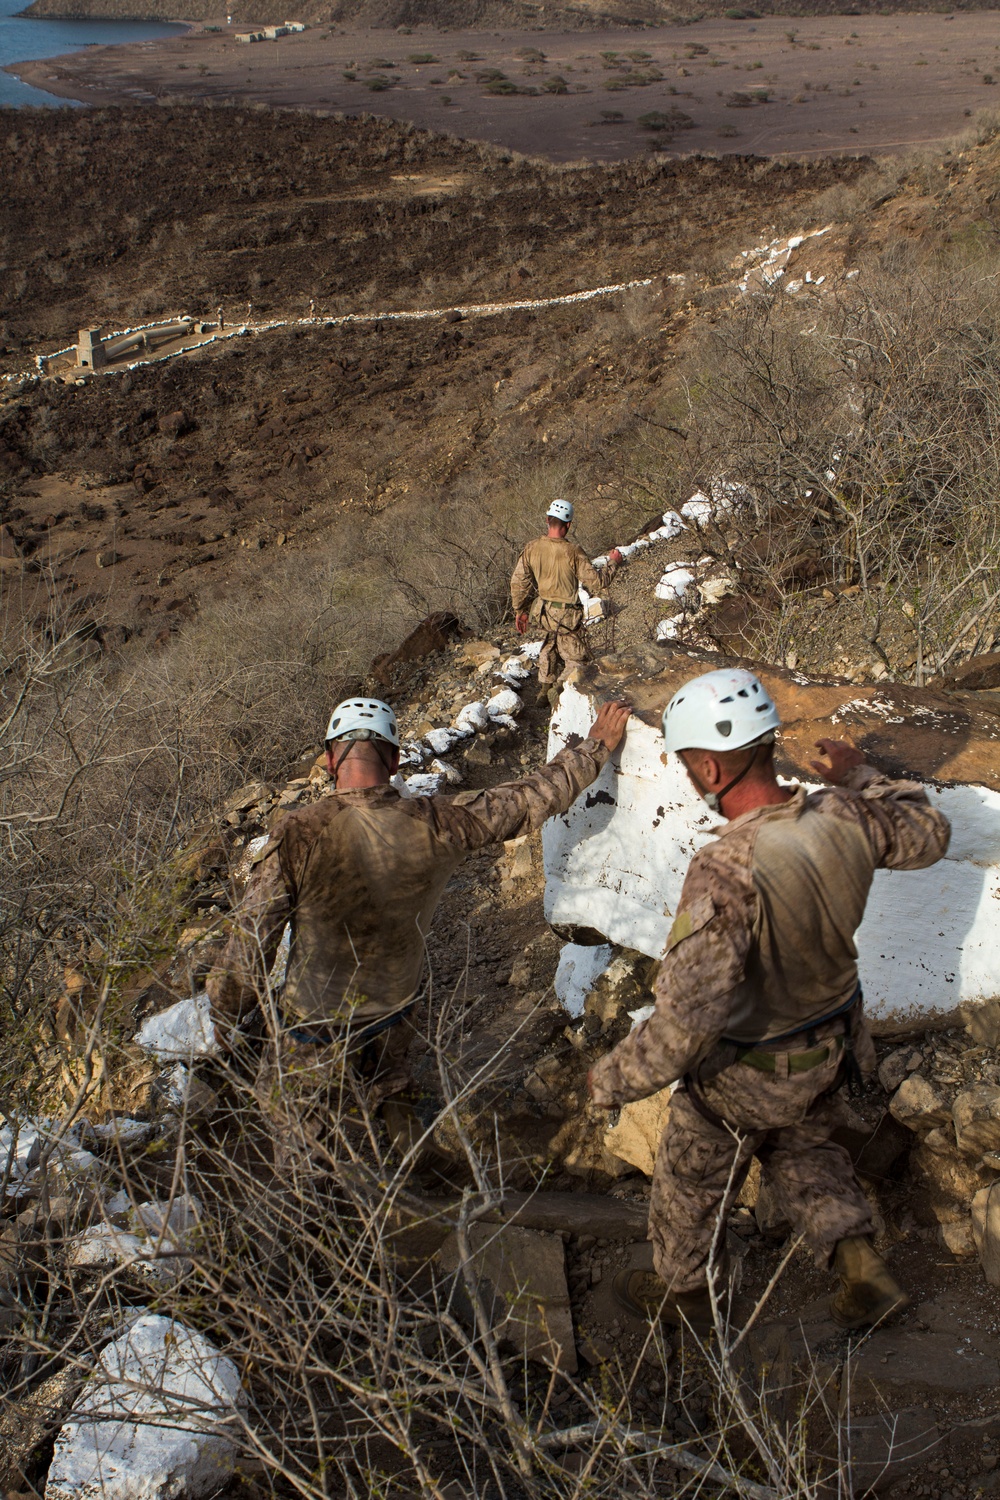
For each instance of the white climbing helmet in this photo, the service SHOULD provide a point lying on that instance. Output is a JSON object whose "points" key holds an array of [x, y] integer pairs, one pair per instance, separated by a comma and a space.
{"points": [[560, 510], [363, 719], [722, 710]]}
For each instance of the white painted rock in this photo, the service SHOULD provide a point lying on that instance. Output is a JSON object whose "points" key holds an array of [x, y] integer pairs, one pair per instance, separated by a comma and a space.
{"points": [[577, 972], [441, 740], [161, 1371], [427, 784], [103, 1246], [674, 584], [122, 1132], [452, 775], [514, 671], [473, 718], [179, 1218], [929, 946], [182, 1030], [669, 630], [20, 1148], [22, 1143], [504, 705], [698, 509]]}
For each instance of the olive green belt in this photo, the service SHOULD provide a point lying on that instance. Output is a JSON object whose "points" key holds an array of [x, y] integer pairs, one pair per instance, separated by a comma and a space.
{"points": [[798, 1062], [558, 604]]}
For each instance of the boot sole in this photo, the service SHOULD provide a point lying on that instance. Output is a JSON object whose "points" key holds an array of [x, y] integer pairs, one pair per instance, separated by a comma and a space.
{"points": [[886, 1309]]}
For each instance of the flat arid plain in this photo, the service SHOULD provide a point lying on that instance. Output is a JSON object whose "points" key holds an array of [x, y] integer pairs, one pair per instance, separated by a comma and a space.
{"points": [[770, 86]]}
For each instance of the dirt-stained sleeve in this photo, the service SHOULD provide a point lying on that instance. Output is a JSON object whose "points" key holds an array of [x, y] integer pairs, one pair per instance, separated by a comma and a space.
{"points": [[905, 831], [472, 820], [237, 981], [704, 962], [522, 584], [594, 580]]}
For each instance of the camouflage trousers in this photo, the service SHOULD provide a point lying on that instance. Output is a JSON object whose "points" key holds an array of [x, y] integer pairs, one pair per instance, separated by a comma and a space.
{"points": [[784, 1121], [564, 645], [311, 1090]]}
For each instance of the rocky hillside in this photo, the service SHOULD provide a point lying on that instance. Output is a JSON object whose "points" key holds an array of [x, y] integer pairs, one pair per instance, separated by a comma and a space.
{"points": [[99, 1226], [784, 430]]}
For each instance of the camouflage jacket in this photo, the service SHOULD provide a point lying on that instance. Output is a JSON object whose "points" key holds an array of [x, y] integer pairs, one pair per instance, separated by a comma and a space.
{"points": [[552, 569], [763, 941], [359, 875]]}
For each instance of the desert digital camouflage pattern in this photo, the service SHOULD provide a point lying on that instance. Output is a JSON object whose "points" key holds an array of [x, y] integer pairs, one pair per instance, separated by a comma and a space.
{"points": [[359, 875], [763, 946]]}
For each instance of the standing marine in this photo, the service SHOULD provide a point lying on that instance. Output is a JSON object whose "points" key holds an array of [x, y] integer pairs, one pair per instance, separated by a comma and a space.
{"points": [[545, 588], [758, 1006], [358, 876]]}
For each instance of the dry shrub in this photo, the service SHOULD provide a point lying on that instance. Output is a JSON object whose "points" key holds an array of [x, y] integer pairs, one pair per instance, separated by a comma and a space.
{"points": [[367, 1368], [864, 430]]}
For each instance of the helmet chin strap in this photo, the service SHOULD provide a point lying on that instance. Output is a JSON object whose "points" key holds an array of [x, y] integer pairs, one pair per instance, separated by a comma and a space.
{"points": [[714, 799], [350, 745]]}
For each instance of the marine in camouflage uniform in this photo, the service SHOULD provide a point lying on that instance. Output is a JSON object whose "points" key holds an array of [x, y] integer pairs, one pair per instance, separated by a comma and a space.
{"points": [[546, 584], [358, 875], [757, 1011]]}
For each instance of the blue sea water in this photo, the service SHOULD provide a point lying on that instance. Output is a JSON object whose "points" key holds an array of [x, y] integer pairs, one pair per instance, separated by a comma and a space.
{"points": [[21, 40]]}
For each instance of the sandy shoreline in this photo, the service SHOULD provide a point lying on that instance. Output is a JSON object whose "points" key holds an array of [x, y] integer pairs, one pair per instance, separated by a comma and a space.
{"points": [[811, 86]]}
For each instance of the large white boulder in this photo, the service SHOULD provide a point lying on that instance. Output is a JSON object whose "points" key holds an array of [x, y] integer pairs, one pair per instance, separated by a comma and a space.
{"points": [[154, 1421], [930, 941]]}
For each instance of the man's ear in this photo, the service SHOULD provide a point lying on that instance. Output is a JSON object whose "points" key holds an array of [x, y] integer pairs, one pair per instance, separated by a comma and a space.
{"points": [[329, 760], [711, 772]]}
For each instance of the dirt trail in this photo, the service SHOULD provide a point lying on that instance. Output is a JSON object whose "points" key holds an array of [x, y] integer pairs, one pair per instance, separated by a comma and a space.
{"points": [[63, 361]]}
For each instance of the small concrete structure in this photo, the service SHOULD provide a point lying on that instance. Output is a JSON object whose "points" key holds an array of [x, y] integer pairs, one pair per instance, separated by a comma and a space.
{"points": [[90, 352]]}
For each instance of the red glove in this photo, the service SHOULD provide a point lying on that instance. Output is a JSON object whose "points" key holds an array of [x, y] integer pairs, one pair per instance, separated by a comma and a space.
{"points": [[521, 621], [615, 556]]}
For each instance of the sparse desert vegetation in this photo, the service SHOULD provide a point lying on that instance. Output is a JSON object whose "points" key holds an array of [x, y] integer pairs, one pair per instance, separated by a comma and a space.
{"points": [[199, 556]]}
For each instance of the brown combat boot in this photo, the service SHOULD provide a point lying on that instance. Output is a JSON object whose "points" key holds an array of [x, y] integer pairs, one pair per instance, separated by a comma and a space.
{"points": [[868, 1294], [645, 1296], [405, 1129]]}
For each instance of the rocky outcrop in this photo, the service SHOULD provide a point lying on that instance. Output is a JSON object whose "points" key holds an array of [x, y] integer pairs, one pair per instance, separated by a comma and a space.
{"points": [[520, 1276], [929, 943]]}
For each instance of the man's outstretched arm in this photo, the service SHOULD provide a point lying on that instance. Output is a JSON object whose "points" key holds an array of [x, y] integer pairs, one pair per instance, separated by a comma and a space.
{"points": [[515, 807], [904, 830]]}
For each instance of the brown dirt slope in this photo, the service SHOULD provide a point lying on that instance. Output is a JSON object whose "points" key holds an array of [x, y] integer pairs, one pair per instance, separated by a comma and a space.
{"points": [[124, 214], [338, 440]]}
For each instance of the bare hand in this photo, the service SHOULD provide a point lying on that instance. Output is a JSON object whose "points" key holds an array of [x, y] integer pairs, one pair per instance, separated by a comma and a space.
{"points": [[609, 726], [521, 621], [615, 556], [842, 757]]}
